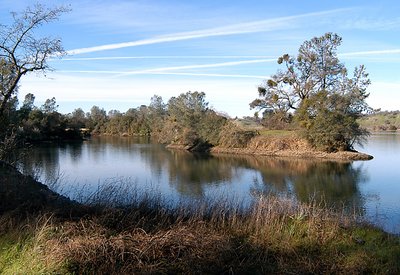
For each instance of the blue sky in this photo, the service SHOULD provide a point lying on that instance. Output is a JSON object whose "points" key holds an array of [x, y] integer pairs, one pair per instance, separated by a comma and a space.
{"points": [[123, 52]]}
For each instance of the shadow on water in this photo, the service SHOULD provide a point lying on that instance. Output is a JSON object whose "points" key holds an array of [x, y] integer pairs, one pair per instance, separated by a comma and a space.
{"points": [[43, 160], [334, 184], [191, 174], [331, 184]]}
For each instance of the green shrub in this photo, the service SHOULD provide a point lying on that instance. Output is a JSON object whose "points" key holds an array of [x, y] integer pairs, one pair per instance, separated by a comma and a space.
{"points": [[328, 123]]}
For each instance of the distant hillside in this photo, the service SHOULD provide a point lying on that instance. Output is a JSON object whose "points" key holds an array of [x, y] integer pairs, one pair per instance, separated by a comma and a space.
{"points": [[382, 121], [248, 123]]}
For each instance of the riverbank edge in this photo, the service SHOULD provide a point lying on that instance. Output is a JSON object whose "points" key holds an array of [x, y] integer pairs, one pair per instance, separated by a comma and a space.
{"points": [[23, 195], [339, 156]]}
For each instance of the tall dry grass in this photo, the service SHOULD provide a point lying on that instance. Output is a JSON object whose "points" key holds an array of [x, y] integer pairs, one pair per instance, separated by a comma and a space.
{"points": [[274, 235], [146, 235]]}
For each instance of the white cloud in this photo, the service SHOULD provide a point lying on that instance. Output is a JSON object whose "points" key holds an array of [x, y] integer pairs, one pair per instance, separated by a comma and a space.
{"points": [[164, 70], [200, 66], [384, 95], [163, 57], [211, 75], [127, 16], [376, 52], [287, 22], [372, 24]]}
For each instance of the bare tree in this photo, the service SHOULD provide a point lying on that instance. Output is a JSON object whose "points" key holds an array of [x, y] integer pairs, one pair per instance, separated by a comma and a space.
{"points": [[22, 51]]}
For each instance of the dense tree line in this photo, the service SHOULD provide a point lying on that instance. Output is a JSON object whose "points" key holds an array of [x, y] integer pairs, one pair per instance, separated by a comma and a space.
{"points": [[184, 120]]}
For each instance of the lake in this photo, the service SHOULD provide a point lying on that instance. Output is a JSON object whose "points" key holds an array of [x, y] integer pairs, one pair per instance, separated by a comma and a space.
{"points": [[78, 170]]}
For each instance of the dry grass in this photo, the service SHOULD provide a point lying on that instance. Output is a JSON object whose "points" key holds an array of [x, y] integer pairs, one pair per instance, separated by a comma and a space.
{"points": [[274, 236], [180, 248]]}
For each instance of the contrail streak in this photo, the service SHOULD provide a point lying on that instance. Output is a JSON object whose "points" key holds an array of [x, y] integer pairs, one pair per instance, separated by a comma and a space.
{"points": [[377, 52], [166, 70], [165, 57], [249, 27], [200, 66]]}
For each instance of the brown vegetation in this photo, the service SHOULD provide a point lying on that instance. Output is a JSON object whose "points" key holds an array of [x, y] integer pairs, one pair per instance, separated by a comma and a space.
{"points": [[274, 235], [288, 146]]}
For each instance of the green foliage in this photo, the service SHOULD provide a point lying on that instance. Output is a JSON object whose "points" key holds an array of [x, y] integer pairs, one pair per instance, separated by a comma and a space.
{"points": [[9, 140], [17, 256], [27, 106], [211, 127], [77, 119], [8, 147], [96, 119], [186, 120], [157, 115], [49, 106], [192, 123], [327, 124], [316, 88], [44, 123], [188, 109], [315, 68], [30, 123]]}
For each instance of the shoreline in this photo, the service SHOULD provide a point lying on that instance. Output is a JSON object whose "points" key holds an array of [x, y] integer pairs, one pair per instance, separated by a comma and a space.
{"points": [[275, 146], [341, 155]]}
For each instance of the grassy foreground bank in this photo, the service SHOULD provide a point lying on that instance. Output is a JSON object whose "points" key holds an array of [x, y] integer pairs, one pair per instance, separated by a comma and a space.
{"points": [[273, 236]]}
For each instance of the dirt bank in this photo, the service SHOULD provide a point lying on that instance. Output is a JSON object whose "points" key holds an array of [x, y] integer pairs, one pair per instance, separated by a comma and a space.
{"points": [[288, 146], [23, 194]]}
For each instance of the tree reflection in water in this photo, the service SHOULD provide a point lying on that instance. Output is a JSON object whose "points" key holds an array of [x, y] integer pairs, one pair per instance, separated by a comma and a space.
{"points": [[189, 173], [335, 184], [329, 183], [42, 161]]}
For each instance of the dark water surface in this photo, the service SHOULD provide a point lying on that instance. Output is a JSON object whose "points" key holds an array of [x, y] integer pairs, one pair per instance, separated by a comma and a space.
{"points": [[371, 188]]}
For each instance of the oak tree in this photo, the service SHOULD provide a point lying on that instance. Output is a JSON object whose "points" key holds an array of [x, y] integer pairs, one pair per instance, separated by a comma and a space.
{"points": [[23, 50], [316, 88]]}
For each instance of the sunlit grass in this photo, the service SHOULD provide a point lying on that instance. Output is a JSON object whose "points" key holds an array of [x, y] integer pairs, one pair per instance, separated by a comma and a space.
{"points": [[274, 235], [277, 133], [22, 249]]}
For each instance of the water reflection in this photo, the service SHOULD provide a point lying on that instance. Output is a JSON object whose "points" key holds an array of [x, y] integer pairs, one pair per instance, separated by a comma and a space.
{"points": [[335, 184], [366, 186], [190, 174], [193, 175]]}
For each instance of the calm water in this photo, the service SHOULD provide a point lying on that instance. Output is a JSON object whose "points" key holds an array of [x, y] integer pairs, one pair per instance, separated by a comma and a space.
{"points": [[371, 188]]}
